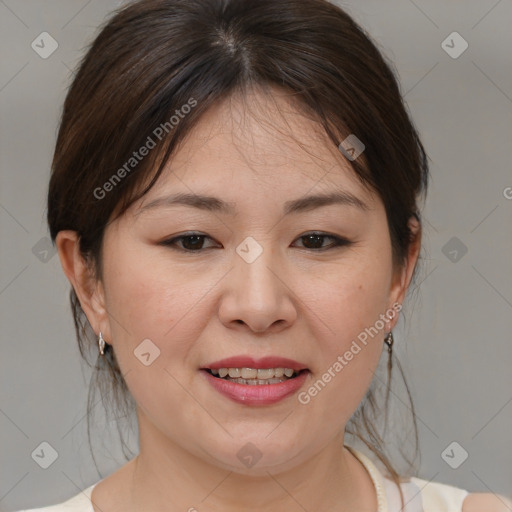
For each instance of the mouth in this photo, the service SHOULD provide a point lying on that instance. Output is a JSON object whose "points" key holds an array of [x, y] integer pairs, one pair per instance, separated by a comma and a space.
{"points": [[255, 376], [251, 381], [244, 385]]}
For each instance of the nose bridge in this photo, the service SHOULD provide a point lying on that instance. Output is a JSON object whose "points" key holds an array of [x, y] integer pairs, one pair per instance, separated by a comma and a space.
{"points": [[256, 263], [255, 294]]}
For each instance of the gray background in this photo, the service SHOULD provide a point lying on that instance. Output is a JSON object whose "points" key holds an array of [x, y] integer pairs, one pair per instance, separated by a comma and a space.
{"points": [[455, 345]]}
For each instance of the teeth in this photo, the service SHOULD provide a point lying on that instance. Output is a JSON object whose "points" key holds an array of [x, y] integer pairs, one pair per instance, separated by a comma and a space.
{"points": [[249, 373], [257, 381], [265, 374], [255, 375], [278, 372]]}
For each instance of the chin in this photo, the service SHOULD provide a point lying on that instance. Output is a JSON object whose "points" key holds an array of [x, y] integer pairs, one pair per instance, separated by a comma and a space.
{"points": [[258, 455]]}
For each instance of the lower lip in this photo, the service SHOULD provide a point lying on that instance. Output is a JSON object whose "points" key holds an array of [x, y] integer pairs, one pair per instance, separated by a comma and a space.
{"points": [[256, 394]]}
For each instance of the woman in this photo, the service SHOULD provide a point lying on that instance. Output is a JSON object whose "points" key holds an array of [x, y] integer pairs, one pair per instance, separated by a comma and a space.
{"points": [[234, 199]]}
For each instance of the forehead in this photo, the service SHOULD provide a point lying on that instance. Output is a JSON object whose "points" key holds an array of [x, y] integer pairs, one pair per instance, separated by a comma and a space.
{"points": [[263, 141]]}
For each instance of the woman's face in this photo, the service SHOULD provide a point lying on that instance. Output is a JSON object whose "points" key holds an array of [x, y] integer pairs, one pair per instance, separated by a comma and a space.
{"points": [[253, 286]]}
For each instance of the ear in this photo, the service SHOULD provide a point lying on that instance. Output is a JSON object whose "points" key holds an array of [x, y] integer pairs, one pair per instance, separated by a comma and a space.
{"points": [[88, 288], [402, 276]]}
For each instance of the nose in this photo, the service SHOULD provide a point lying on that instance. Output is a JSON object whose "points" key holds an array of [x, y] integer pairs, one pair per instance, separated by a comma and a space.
{"points": [[257, 295]]}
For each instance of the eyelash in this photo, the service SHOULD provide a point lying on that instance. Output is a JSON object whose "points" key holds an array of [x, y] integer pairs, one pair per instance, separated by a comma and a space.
{"points": [[338, 241]]}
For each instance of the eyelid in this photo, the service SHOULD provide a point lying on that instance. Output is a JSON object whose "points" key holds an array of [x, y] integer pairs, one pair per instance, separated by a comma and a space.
{"points": [[339, 241], [171, 242]]}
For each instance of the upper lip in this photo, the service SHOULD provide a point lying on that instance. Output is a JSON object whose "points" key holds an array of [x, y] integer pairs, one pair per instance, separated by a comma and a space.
{"points": [[250, 362]]}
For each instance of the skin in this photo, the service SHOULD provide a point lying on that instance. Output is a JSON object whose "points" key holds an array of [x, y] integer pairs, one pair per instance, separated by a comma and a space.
{"points": [[294, 301]]}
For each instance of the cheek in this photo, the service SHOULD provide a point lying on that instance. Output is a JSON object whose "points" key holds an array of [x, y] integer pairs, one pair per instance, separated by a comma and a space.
{"points": [[159, 316], [151, 297], [146, 302], [352, 298], [350, 309]]}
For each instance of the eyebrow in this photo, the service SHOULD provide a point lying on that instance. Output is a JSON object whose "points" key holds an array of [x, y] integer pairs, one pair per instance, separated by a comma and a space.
{"points": [[214, 204]]}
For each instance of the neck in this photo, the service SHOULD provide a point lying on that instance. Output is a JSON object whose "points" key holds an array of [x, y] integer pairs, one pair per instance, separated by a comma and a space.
{"points": [[166, 477]]}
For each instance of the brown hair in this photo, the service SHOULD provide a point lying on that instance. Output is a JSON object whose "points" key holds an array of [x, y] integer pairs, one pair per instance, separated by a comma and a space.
{"points": [[152, 57]]}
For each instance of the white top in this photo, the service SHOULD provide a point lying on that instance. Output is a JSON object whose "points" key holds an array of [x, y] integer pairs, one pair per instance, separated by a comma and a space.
{"points": [[419, 495]]}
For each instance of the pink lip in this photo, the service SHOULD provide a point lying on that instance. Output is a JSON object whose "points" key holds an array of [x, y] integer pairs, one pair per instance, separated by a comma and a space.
{"points": [[249, 362], [254, 394]]}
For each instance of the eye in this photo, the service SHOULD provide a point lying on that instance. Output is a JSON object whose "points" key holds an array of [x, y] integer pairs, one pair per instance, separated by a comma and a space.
{"points": [[314, 241], [190, 242], [194, 242]]}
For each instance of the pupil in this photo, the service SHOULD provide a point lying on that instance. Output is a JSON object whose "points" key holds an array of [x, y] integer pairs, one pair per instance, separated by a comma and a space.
{"points": [[196, 238], [313, 237]]}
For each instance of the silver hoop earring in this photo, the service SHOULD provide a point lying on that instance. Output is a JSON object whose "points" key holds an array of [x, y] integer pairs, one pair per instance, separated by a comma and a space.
{"points": [[389, 340], [101, 344]]}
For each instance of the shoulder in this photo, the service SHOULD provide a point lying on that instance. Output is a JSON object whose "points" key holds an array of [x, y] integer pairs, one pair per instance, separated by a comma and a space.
{"points": [[79, 503], [439, 497], [61, 507], [486, 502]]}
